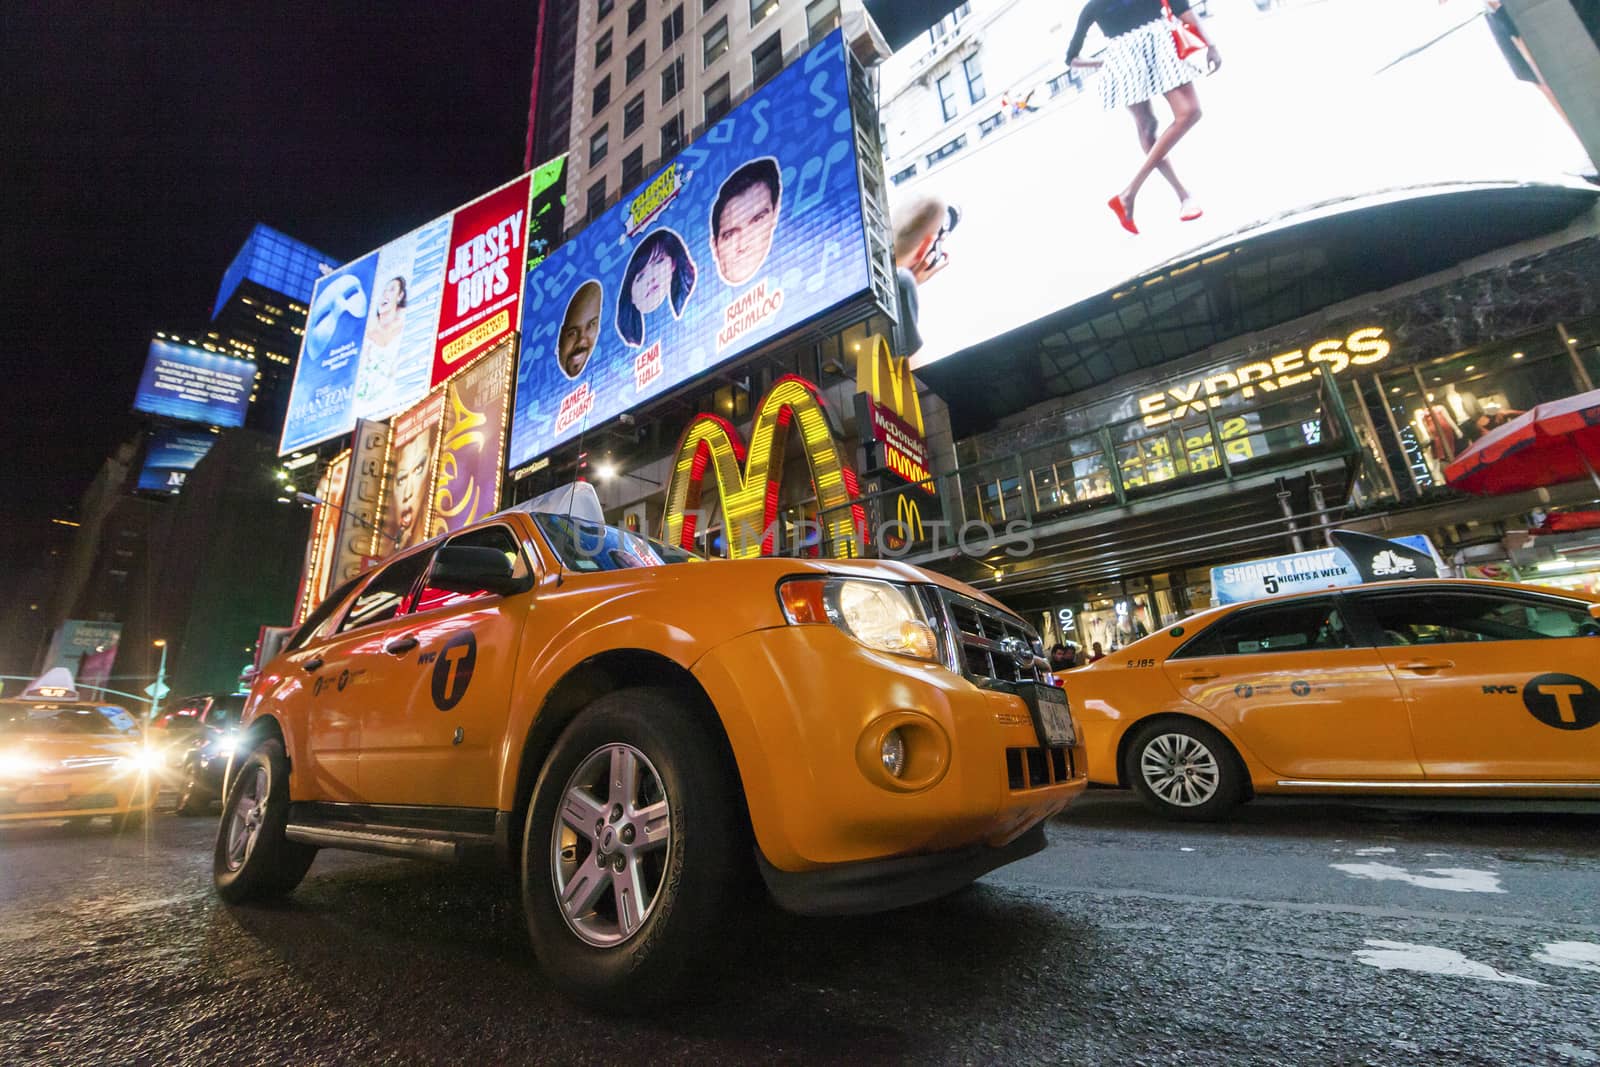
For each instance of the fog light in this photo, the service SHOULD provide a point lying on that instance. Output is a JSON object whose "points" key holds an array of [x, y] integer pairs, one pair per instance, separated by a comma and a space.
{"points": [[894, 753]]}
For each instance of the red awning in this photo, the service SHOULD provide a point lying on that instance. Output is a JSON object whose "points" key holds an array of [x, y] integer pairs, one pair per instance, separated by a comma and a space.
{"points": [[1553, 444]]}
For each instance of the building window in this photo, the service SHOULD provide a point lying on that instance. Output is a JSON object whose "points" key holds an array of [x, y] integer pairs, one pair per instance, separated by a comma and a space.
{"points": [[766, 60], [947, 95], [672, 28], [635, 15], [990, 124], [904, 175], [597, 200], [635, 64], [707, 5], [633, 168], [602, 48], [603, 8], [717, 99], [716, 41], [599, 144], [672, 136], [822, 17], [949, 148], [633, 115], [602, 95], [672, 79], [760, 9], [974, 72]]}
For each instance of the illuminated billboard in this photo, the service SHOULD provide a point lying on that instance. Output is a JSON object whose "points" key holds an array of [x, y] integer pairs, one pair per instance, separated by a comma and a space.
{"points": [[171, 456], [752, 230], [1038, 158], [193, 385], [386, 328], [472, 436]]}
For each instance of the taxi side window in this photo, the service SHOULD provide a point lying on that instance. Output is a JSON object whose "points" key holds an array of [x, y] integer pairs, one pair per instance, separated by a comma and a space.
{"points": [[498, 538], [1456, 618], [383, 597], [1295, 626]]}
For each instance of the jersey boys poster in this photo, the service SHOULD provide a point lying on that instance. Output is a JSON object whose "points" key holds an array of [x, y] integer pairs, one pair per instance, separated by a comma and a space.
{"points": [[750, 231]]}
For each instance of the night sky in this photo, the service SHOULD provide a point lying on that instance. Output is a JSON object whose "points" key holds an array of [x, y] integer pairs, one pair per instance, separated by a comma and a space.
{"points": [[142, 140]]}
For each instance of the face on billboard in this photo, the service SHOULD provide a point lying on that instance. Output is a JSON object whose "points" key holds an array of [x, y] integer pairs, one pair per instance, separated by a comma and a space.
{"points": [[743, 218], [407, 495], [580, 329], [752, 231], [1043, 160]]}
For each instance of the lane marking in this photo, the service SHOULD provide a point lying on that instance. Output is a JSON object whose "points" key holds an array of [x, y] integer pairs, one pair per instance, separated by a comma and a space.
{"points": [[1576, 955], [1374, 852], [1449, 879], [1430, 959]]}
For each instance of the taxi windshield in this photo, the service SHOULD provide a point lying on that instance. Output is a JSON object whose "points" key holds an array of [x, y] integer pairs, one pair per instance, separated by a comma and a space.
{"points": [[589, 546], [33, 719]]}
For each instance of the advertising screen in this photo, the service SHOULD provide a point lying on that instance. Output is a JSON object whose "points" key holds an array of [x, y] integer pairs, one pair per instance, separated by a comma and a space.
{"points": [[752, 230], [171, 456], [408, 492], [1323, 568], [191, 384], [387, 327], [1304, 108]]}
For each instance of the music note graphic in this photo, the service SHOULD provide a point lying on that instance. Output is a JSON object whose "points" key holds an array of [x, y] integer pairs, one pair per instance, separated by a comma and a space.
{"points": [[819, 169]]}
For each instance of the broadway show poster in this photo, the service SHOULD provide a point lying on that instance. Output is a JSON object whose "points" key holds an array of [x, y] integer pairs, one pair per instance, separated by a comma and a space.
{"points": [[482, 296], [749, 232], [359, 526], [321, 402], [467, 478], [397, 352], [408, 493], [324, 533]]}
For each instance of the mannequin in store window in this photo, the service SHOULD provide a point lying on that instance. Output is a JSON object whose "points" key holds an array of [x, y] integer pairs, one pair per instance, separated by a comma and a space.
{"points": [[1440, 435]]}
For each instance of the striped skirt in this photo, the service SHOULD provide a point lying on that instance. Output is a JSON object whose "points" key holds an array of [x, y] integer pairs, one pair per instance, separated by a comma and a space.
{"points": [[1140, 65]]}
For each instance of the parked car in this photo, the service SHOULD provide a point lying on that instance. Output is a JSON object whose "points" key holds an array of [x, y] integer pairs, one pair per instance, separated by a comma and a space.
{"points": [[631, 736], [204, 764], [1411, 688], [71, 759]]}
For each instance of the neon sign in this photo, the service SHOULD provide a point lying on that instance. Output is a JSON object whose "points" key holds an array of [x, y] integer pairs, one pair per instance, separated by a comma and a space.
{"points": [[748, 479]]}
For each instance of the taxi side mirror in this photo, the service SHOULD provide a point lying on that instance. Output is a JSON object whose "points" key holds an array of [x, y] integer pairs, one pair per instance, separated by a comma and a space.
{"points": [[472, 569]]}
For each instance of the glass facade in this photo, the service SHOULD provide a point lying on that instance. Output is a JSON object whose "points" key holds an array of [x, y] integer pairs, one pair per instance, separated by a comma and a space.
{"points": [[273, 261]]}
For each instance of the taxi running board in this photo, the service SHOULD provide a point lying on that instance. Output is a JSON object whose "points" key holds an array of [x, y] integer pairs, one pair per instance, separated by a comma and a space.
{"points": [[384, 843]]}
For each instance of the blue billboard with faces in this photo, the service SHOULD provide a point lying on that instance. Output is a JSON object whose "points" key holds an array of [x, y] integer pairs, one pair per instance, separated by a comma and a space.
{"points": [[748, 233]]}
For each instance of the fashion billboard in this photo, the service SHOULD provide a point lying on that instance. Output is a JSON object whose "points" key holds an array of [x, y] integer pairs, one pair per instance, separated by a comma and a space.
{"points": [[752, 230], [193, 385], [1042, 153], [386, 328], [171, 456]]}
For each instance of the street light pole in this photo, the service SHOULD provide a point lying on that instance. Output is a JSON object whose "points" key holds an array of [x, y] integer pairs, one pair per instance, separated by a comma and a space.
{"points": [[161, 679]]}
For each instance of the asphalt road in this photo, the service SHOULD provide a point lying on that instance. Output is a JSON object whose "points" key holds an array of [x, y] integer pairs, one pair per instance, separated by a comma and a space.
{"points": [[1281, 937]]}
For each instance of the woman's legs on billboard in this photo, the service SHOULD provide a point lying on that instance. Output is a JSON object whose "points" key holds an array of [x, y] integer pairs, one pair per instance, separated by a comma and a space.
{"points": [[1185, 113]]}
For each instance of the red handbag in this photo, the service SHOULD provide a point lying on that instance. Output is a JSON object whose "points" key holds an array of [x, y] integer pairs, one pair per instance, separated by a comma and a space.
{"points": [[1185, 38]]}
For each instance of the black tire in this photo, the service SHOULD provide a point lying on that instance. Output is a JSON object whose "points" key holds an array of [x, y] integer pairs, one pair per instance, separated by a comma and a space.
{"points": [[194, 798], [693, 878], [273, 865], [1204, 779]]}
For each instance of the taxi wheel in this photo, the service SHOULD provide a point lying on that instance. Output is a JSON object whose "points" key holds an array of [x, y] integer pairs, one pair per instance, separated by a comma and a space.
{"points": [[1184, 769], [631, 853], [253, 860]]}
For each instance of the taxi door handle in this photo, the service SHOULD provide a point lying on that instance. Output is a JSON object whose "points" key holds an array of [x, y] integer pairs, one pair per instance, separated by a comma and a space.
{"points": [[312, 664], [1198, 676], [1426, 665], [401, 645]]}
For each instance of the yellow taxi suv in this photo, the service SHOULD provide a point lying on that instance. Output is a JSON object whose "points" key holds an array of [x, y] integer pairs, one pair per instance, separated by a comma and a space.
{"points": [[1413, 688], [636, 738], [66, 759]]}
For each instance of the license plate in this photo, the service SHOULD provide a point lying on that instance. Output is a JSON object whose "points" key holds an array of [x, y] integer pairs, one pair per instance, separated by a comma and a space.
{"points": [[1051, 716], [44, 794]]}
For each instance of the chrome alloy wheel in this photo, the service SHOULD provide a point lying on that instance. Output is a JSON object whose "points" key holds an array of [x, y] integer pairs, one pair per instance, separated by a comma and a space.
{"points": [[609, 846], [244, 821], [1180, 770]]}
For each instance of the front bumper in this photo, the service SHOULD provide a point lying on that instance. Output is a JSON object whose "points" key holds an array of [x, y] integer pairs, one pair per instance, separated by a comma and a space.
{"points": [[36, 801], [798, 701]]}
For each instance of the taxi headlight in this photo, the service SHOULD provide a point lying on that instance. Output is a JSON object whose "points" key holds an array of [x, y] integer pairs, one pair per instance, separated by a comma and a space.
{"points": [[227, 746], [16, 766], [885, 616], [145, 761]]}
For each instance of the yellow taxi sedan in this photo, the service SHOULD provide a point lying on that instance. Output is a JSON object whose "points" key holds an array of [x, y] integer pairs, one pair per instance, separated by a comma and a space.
{"points": [[1413, 688], [64, 759]]}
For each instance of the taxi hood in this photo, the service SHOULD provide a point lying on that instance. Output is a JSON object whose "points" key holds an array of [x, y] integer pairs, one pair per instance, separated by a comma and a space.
{"points": [[893, 570]]}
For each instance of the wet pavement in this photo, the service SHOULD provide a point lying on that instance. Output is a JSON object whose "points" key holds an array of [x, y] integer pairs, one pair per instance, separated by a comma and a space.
{"points": [[1293, 934]]}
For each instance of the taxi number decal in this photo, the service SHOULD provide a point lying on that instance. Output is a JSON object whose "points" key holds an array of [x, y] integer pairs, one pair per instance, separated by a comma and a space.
{"points": [[452, 671], [1136, 663], [1563, 701]]}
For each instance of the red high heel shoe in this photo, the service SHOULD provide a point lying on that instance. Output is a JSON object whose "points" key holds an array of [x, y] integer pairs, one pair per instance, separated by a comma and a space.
{"points": [[1123, 215]]}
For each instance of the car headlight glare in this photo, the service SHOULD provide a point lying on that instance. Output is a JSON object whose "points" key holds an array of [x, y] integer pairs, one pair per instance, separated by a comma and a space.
{"points": [[884, 616], [226, 746], [13, 765]]}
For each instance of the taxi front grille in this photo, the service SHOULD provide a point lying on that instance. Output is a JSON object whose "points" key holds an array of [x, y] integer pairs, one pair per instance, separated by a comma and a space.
{"points": [[983, 643], [1035, 768]]}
